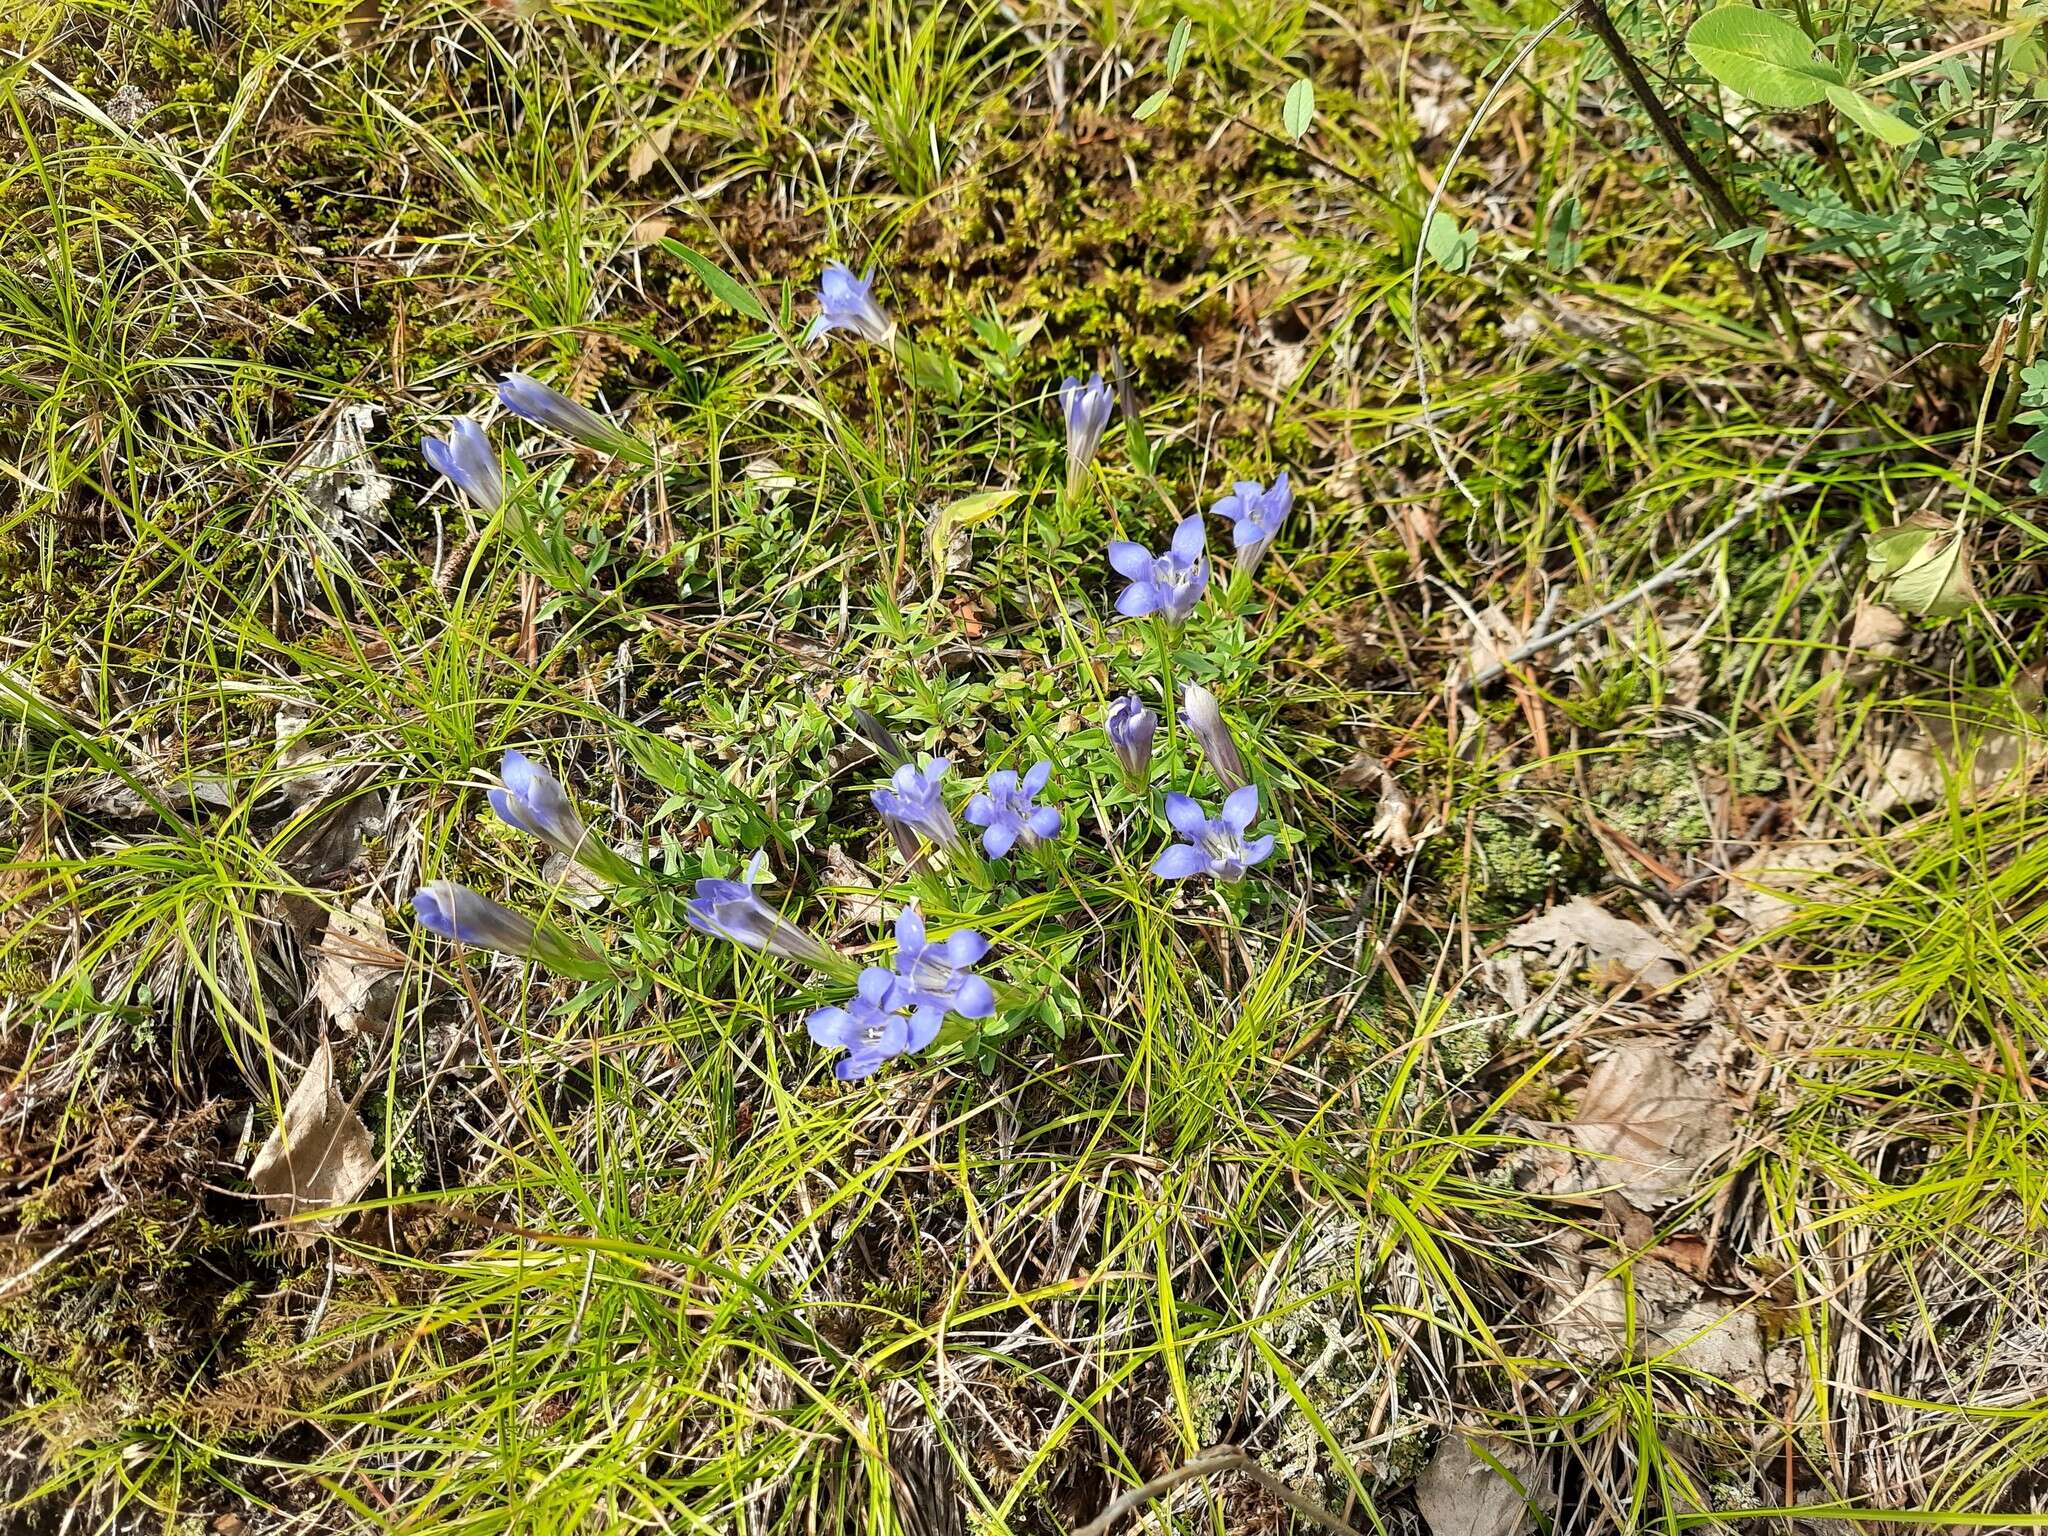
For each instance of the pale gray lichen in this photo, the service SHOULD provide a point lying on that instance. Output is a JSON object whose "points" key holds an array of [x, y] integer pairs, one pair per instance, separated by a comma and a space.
{"points": [[1314, 1322]]}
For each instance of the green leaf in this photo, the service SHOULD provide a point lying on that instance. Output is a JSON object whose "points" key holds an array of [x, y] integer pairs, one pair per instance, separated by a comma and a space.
{"points": [[1760, 55], [1300, 108], [1448, 245], [1177, 48], [1151, 104], [724, 287], [1870, 117], [1922, 566]]}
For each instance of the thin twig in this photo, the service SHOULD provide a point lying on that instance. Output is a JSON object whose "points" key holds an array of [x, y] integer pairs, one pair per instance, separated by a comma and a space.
{"points": [[1673, 572], [1218, 1458]]}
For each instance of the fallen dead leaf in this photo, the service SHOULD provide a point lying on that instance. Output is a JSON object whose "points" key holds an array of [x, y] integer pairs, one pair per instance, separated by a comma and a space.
{"points": [[1763, 888], [647, 151], [320, 1155], [1391, 818], [1649, 1124], [650, 229], [1918, 770], [355, 970], [1674, 1321], [1493, 640], [339, 478], [859, 905], [1611, 943], [1462, 1493]]}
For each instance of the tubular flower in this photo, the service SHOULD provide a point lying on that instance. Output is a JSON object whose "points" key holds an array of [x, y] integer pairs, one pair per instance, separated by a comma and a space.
{"points": [[533, 800], [729, 910], [882, 1019], [936, 974], [1130, 727], [1256, 511], [1007, 809], [530, 400], [456, 912], [915, 802], [1170, 584], [1215, 846], [1200, 713], [1087, 409], [847, 303], [466, 457]]}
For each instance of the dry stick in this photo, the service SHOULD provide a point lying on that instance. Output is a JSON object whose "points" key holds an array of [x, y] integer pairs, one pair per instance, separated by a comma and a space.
{"points": [[1218, 1458], [1675, 571]]}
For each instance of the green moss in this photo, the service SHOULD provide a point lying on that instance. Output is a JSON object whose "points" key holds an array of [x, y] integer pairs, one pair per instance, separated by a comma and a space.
{"points": [[1659, 798]]}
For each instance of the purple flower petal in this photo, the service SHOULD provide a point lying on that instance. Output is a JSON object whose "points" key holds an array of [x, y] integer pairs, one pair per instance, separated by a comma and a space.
{"points": [[1186, 816], [1241, 809], [1131, 561], [976, 999], [1138, 599], [1189, 538], [1179, 862]]}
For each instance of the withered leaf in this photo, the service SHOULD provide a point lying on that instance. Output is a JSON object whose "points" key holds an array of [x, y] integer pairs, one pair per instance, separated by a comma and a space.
{"points": [[1612, 944], [320, 1155]]}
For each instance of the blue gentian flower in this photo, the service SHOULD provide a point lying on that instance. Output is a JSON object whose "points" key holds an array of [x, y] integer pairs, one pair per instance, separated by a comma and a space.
{"points": [[936, 975], [729, 910], [456, 912], [1202, 715], [1130, 726], [533, 800], [1171, 584], [1257, 511], [1214, 847], [531, 400], [466, 457], [882, 1019], [1087, 408], [847, 303], [1007, 807], [915, 802]]}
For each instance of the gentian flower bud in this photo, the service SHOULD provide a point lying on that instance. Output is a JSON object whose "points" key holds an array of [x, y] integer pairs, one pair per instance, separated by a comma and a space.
{"points": [[456, 912], [1172, 583], [1008, 809], [1131, 726], [729, 910], [1213, 847], [878, 735], [914, 802], [531, 400], [1087, 409], [1201, 715], [847, 303], [466, 457], [533, 800], [882, 1019]]}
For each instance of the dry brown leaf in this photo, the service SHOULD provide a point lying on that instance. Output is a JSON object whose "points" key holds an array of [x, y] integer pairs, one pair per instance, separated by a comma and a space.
{"points": [[647, 151], [649, 229], [1649, 1124], [1494, 638], [1918, 769], [355, 970], [859, 906], [1613, 944], [1762, 887], [1876, 631], [1462, 1493], [1675, 1322], [320, 1155]]}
